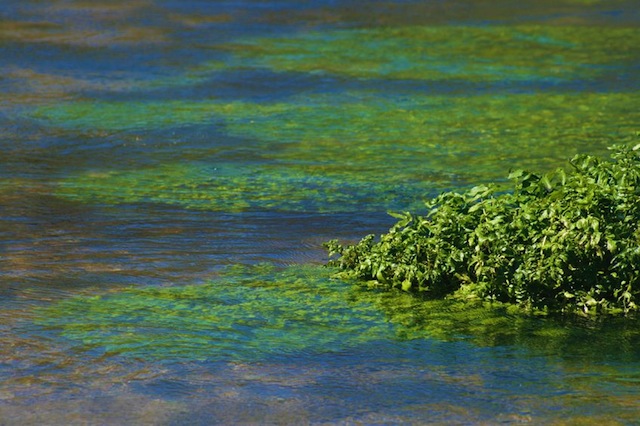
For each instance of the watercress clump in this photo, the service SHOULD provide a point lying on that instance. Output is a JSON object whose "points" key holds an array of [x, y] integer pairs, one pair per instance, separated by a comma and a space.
{"points": [[566, 241]]}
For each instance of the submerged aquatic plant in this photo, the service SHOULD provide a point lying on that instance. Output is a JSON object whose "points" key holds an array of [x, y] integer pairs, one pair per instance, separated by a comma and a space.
{"points": [[474, 53], [260, 312], [559, 242], [231, 188], [120, 115], [247, 313], [344, 152]]}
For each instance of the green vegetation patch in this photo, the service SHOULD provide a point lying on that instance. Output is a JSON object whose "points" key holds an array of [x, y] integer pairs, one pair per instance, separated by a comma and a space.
{"points": [[566, 242], [121, 115], [418, 140], [492, 323], [253, 313], [475, 53], [352, 151], [232, 188], [246, 314]]}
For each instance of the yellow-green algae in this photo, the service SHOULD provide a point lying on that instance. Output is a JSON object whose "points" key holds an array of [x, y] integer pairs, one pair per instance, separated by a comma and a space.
{"points": [[232, 188], [352, 151], [246, 314], [498, 324], [249, 313], [476, 53], [404, 139], [122, 115]]}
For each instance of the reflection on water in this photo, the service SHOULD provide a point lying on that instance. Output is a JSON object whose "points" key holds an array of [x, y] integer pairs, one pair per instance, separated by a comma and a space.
{"points": [[152, 151]]}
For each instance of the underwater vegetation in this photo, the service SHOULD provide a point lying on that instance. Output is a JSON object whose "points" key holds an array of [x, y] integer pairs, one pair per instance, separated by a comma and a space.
{"points": [[559, 242], [405, 139], [369, 150], [253, 313], [345, 152], [121, 115], [229, 187], [474, 53], [247, 313]]}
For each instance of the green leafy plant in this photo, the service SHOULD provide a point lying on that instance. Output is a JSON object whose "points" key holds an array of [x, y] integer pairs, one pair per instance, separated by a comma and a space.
{"points": [[559, 242]]}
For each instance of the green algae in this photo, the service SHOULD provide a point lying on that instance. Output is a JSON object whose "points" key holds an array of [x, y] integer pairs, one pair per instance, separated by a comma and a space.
{"points": [[406, 139], [246, 314], [495, 324], [475, 53], [252, 313], [121, 115], [232, 188], [356, 151]]}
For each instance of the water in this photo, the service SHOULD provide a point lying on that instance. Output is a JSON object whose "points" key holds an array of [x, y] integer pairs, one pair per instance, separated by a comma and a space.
{"points": [[169, 171]]}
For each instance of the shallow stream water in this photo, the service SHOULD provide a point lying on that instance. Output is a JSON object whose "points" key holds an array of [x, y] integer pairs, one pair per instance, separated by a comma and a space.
{"points": [[169, 171]]}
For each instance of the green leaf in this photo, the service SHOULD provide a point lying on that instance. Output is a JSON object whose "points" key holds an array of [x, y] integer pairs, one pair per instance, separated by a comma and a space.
{"points": [[573, 247]]}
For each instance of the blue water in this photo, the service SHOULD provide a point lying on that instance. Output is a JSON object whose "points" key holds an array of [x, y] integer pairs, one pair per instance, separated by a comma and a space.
{"points": [[53, 248]]}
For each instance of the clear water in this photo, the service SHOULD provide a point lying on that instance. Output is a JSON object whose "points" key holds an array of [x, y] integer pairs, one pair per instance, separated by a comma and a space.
{"points": [[152, 153]]}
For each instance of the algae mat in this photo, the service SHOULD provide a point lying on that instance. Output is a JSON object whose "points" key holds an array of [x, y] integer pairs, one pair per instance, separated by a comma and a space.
{"points": [[372, 148], [474, 53], [254, 313], [247, 314], [352, 152]]}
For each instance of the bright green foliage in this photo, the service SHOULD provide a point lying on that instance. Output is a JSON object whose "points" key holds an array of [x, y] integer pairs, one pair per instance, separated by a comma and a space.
{"points": [[487, 53], [559, 242], [246, 314]]}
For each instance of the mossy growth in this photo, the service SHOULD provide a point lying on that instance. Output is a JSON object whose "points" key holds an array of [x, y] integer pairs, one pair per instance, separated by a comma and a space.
{"points": [[260, 312], [473, 53], [345, 152], [559, 242], [229, 187], [121, 115], [248, 313]]}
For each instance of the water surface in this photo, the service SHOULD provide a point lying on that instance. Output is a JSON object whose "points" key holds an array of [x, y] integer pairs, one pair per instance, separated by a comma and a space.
{"points": [[170, 169]]}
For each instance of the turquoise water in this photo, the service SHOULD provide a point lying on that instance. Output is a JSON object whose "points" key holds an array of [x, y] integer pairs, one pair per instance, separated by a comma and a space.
{"points": [[169, 171]]}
